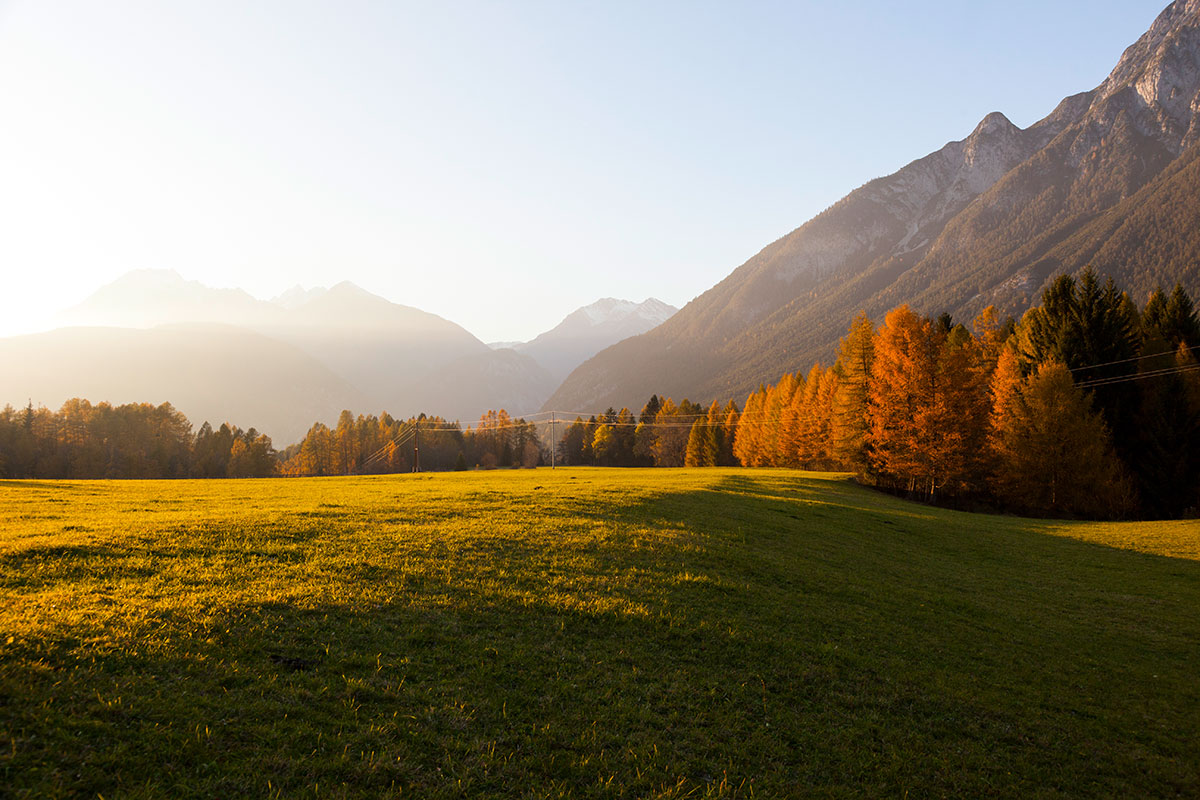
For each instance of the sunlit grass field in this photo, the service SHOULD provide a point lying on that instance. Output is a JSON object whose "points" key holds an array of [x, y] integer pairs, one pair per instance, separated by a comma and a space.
{"points": [[585, 633]]}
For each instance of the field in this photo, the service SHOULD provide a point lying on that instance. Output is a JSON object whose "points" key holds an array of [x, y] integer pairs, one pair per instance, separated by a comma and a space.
{"points": [[585, 633]]}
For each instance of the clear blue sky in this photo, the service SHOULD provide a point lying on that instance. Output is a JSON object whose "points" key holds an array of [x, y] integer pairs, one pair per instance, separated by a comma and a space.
{"points": [[500, 163]]}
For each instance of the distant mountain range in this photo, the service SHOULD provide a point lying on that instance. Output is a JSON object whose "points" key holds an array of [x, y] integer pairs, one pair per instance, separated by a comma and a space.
{"points": [[588, 330], [221, 354], [1110, 178]]}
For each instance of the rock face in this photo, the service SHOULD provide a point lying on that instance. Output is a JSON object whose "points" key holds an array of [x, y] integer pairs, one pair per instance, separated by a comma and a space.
{"points": [[1107, 178]]}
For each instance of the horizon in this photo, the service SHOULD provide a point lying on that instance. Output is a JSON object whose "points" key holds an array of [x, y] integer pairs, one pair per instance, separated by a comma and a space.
{"points": [[437, 156]]}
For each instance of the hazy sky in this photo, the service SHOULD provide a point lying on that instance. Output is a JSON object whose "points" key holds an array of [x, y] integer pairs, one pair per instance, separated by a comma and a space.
{"points": [[500, 163]]}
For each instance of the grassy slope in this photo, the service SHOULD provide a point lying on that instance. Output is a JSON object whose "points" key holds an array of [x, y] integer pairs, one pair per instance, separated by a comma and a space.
{"points": [[585, 633]]}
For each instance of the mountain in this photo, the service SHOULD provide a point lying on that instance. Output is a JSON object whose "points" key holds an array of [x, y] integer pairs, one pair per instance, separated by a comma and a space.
{"points": [[209, 372], [1108, 178], [588, 330], [384, 348], [279, 366], [147, 297]]}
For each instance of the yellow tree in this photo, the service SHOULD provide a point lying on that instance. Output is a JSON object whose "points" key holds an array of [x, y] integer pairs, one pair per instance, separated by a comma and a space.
{"points": [[791, 426], [749, 427], [1005, 391], [806, 437], [779, 397], [990, 336], [957, 419], [699, 446], [725, 456], [827, 391], [927, 405], [849, 422], [901, 373]]}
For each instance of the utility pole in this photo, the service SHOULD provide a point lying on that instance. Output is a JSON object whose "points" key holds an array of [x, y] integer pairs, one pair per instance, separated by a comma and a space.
{"points": [[553, 444], [416, 447]]}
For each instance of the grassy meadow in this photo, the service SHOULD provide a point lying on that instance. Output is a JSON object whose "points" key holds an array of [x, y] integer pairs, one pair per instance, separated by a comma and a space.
{"points": [[585, 633]]}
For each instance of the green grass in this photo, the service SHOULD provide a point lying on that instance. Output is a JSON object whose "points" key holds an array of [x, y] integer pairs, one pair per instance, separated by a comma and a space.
{"points": [[585, 633]]}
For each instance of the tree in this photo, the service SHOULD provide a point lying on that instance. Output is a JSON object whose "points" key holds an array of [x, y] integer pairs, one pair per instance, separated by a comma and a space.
{"points": [[1168, 445], [746, 443], [849, 426], [927, 405], [701, 449], [672, 426], [1055, 454], [575, 446], [902, 374], [604, 445], [1092, 329], [1005, 392], [725, 456], [772, 442]]}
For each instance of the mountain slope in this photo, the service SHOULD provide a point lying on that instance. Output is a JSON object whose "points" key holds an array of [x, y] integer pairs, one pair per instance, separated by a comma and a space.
{"points": [[989, 219]]}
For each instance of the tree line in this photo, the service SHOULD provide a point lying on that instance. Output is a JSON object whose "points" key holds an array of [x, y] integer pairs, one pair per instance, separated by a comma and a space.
{"points": [[366, 445], [135, 440], [664, 434], [1087, 406]]}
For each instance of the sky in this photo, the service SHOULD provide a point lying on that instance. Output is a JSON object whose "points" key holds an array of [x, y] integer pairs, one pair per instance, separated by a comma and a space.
{"points": [[497, 163]]}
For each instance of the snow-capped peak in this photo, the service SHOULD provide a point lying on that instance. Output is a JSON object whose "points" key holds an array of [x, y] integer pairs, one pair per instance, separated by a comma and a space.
{"points": [[611, 309]]}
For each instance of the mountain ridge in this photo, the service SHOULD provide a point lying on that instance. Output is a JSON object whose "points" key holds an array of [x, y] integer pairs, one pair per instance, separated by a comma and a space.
{"points": [[339, 347]]}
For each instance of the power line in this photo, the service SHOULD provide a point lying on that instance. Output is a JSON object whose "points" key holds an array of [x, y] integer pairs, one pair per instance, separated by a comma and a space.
{"points": [[1138, 376], [1127, 360]]}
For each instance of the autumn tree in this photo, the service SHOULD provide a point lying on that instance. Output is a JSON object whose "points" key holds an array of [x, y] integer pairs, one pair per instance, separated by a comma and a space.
{"points": [[927, 405], [673, 424], [848, 426], [772, 441], [1055, 454], [729, 426], [575, 446], [746, 444], [701, 446]]}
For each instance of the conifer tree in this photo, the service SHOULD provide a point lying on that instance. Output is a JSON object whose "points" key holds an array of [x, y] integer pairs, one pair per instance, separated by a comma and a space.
{"points": [[746, 441], [782, 394], [725, 456], [849, 423], [699, 452], [1005, 391], [901, 376], [1055, 454]]}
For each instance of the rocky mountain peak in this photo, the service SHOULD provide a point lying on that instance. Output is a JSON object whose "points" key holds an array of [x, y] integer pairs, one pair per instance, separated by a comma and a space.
{"points": [[1157, 80], [994, 124]]}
